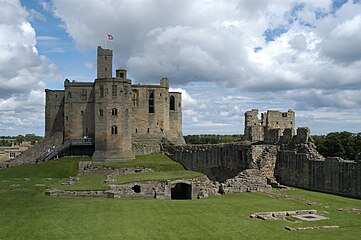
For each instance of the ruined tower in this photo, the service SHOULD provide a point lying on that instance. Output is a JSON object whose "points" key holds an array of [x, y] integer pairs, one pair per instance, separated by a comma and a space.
{"points": [[271, 127]]}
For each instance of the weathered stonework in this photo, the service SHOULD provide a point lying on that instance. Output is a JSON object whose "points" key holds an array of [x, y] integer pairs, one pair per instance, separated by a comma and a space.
{"points": [[219, 161], [250, 180], [87, 168], [271, 128], [195, 188], [123, 119]]}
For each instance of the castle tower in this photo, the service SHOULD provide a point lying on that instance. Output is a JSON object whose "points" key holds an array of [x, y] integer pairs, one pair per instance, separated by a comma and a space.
{"points": [[175, 118], [253, 127], [104, 63], [113, 113]]}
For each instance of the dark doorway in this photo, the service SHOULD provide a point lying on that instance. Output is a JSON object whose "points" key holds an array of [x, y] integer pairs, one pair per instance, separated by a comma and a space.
{"points": [[136, 189], [181, 191]]}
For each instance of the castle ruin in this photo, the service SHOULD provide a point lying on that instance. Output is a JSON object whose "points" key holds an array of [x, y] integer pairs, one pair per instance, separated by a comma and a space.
{"points": [[272, 126], [122, 119]]}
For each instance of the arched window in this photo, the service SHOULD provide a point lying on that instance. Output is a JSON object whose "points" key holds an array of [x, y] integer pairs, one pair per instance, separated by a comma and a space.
{"points": [[151, 102], [101, 112], [172, 103], [114, 112], [114, 130]]}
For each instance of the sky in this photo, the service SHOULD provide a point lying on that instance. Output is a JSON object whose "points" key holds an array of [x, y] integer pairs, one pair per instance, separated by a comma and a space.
{"points": [[226, 57]]}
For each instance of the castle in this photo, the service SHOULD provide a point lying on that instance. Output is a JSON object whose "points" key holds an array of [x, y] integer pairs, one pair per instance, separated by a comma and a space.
{"points": [[271, 128], [122, 119]]}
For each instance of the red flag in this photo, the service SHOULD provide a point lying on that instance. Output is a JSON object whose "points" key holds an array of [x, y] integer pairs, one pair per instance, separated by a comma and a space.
{"points": [[110, 37]]}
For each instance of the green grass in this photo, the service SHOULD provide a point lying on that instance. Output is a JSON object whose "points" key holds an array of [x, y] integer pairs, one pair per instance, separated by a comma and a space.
{"points": [[157, 162], [61, 168], [164, 169], [29, 214]]}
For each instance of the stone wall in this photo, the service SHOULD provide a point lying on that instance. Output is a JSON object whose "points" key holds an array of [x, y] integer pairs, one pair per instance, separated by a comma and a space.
{"points": [[200, 187], [218, 162], [331, 175], [270, 128]]}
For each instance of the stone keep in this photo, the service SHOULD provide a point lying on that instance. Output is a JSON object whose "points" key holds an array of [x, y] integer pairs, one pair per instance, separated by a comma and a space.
{"points": [[123, 119], [272, 126]]}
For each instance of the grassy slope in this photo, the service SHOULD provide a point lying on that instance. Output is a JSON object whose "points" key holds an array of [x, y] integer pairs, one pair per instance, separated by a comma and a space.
{"points": [[28, 214], [165, 169]]}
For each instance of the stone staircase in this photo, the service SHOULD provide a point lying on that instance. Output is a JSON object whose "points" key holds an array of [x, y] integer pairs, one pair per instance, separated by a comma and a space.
{"points": [[46, 150]]}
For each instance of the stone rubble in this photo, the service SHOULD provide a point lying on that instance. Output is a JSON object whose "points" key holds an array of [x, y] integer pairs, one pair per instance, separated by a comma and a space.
{"points": [[280, 215]]}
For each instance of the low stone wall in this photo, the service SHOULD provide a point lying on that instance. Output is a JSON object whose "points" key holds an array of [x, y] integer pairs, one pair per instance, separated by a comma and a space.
{"points": [[219, 161], [332, 175], [87, 167], [57, 192], [200, 187]]}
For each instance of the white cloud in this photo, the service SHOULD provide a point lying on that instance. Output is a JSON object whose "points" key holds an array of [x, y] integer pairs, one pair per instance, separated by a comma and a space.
{"points": [[23, 72], [313, 61]]}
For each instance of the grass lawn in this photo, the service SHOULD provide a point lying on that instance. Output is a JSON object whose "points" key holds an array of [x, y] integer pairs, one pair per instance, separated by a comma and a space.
{"points": [[26, 213]]}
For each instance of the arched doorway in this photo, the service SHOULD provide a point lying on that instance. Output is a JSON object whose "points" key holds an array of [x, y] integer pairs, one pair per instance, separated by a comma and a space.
{"points": [[181, 191]]}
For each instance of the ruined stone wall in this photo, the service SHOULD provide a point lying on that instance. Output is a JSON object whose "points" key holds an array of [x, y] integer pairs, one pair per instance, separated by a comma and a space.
{"points": [[332, 175], [253, 128], [270, 128], [218, 162]]}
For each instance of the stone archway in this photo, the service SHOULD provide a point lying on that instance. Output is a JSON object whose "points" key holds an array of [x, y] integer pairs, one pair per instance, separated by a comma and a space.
{"points": [[181, 191]]}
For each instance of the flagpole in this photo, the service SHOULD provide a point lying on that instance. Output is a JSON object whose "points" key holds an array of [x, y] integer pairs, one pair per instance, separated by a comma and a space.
{"points": [[105, 41]]}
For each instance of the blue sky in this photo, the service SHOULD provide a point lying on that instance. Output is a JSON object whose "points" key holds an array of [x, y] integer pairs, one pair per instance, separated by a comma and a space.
{"points": [[226, 57]]}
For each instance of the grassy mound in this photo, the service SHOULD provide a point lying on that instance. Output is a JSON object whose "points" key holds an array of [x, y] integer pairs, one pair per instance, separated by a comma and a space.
{"points": [[157, 162], [59, 170]]}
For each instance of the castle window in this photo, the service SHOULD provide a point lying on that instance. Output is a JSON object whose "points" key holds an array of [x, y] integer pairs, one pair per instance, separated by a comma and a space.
{"points": [[105, 58], [151, 102], [69, 95], [114, 90], [83, 94], [106, 69], [291, 122], [12, 155], [276, 122], [101, 112], [67, 118], [86, 130], [284, 114], [136, 130], [121, 75], [82, 113], [101, 91], [172, 103], [114, 112], [135, 97], [114, 130], [148, 130]]}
